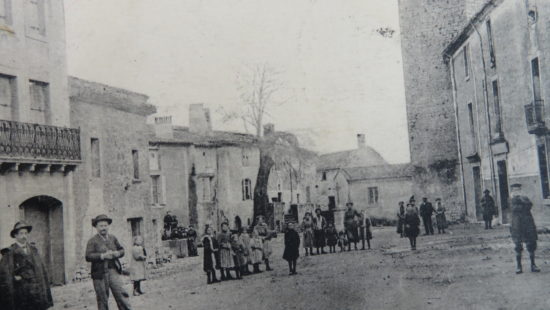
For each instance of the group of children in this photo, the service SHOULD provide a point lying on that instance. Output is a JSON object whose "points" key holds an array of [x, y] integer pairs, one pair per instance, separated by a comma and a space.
{"points": [[236, 251]]}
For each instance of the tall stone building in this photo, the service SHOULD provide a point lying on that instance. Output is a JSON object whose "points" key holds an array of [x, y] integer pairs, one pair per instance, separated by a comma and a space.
{"points": [[427, 27]]}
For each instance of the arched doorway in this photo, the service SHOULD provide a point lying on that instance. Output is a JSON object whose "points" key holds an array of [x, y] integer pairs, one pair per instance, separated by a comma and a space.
{"points": [[45, 214]]}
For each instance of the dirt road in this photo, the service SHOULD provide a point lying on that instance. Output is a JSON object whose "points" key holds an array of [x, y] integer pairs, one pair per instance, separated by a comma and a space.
{"points": [[468, 268]]}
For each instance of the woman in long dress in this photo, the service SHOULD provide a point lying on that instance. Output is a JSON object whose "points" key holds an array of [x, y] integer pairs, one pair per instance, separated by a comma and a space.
{"points": [[307, 230], [210, 245], [137, 265], [292, 248], [440, 218], [226, 254], [257, 250]]}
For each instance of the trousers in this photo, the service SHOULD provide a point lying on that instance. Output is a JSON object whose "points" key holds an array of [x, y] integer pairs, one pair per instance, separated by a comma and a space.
{"points": [[111, 280], [428, 226]]}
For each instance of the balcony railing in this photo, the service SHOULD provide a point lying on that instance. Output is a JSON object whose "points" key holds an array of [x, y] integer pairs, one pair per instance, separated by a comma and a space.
{"points": [[534, 117], [31, 142]]}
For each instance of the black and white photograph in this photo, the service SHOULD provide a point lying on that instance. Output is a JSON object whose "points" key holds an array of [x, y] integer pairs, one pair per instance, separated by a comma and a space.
{"points": [[274, 154]]}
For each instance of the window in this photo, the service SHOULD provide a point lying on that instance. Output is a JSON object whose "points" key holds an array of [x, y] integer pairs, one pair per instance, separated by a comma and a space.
{"points": [[247, 189], [155, 184], [472, 127], [373, 195], [324, 178], [5, 12], [135, 226], [206, 195], [535, 72], [7, 90], [491, 44], [39, 92], [95, 157], [496, 107], [154, 160], [35, 17], [135, 162], [466, 61]]}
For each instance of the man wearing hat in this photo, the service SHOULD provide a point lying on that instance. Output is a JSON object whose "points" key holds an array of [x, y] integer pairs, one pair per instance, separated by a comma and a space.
{"points": [[426, 212], [103, 251], [24, 281], [488, 206], [522, 228]]}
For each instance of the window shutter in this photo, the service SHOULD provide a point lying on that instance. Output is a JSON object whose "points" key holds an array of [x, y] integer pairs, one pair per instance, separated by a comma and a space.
{"points": [[162, 185]]}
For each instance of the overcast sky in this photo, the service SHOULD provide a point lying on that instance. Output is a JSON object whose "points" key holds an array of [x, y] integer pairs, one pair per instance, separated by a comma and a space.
{"points": [[342, 77]]}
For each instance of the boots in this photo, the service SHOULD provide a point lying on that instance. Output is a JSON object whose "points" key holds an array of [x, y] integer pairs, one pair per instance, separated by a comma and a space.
{"points": [[257, 268], [519, 269], [213, 275], [267, 268], [238, 273], [222, 271], [209, 278], [228, 274], [363, 244], [534, 267]]}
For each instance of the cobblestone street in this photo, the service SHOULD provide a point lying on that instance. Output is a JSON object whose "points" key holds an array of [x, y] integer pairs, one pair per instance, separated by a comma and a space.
{"points": [[468, 261]]}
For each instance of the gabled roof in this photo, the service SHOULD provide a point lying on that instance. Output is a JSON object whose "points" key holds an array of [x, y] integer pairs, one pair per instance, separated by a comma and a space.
{"points": [[378, 172], [182, 135], [361, 157]]}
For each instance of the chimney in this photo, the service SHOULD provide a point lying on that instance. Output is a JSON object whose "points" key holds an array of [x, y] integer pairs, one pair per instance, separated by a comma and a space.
{"points": [[361, 141], [269, 129], [163, 127], [199, 119]]}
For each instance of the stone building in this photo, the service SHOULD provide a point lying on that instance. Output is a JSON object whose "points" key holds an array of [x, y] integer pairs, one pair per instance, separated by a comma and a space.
{"points": [[113, 177], [428, 26], [38, 149], [498, 64]]}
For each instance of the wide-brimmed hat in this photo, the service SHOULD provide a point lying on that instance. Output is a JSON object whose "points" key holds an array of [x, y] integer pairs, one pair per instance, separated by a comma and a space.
{"points": [[486, 191], [18, 226], [100, 218]]}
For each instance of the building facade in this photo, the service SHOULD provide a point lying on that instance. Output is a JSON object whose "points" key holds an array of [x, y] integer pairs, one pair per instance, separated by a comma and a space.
{"points": [[426, 28], [38, 150], [498, 65]]}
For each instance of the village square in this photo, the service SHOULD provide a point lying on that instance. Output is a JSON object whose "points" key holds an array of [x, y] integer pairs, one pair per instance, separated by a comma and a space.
{"points": [[283, 155]]}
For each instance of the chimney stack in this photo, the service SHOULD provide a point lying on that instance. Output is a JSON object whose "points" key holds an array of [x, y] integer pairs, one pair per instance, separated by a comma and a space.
{"points": [[163, 127], [361, 143], [199, 119]]}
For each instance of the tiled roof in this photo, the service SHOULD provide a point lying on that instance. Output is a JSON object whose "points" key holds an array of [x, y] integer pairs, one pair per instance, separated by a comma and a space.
{"points": [[216, 138], [378, 172], [361, 157]]}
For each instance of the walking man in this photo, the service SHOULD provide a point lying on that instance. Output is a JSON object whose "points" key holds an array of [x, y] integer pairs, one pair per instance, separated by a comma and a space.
{"points": [[319, 225], [103, 251], [488, 206], [426, 211], [24, 283], [523, 229]]}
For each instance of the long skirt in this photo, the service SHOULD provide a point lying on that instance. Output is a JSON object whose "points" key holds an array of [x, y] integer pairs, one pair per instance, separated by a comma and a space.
{"points": [[441, 221], [256, 256], [239, 260], [319, 238], [226, 259], [308, 238], [352, 232], [267, 249]]}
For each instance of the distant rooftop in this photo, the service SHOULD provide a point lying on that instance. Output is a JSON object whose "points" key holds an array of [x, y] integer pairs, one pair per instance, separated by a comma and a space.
{"points": [[378, 172], [361, 157]]}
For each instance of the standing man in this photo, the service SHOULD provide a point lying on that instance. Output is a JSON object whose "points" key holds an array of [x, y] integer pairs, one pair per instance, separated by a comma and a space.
{"points": [[350, 224], [319, 225], [488, 207], [426, 211], [103, 251], [522, 228], [24, 283]]}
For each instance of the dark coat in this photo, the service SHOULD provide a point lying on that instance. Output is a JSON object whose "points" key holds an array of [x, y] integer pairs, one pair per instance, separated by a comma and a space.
{"points": [[209, 259], [426, 209], [97, 246], [411, 222], [488, 206], [33, 291], [332, 236], [292, 245], [523, 227]]}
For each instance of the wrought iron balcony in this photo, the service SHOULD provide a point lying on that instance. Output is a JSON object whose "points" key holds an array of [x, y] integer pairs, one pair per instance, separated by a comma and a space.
{"points": [[534, 117], [34, 144]]}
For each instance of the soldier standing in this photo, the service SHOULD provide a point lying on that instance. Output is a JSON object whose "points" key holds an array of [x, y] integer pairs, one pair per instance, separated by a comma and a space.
{"points": [[488, 206], [24, 281], [523, 229]]}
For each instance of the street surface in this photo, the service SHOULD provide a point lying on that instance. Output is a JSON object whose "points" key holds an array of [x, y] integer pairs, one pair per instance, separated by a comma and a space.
{"points": [[467, 261]]}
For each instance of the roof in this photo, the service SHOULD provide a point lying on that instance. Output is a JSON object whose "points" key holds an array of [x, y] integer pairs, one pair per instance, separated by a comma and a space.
{"points": [[378, 172], [361, 157], [182, 135]]}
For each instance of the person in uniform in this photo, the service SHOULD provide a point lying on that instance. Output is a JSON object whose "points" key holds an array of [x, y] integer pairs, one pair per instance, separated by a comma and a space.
{"points": [[426, 212], [350, 224], [522, 228], [488, 206], [292, 248], [266, 234], [440, 218], [209, 259], [401, 218], [226, 255], [319, 225], [411, 225], [24, 283], [103, 251], [307, 231]]}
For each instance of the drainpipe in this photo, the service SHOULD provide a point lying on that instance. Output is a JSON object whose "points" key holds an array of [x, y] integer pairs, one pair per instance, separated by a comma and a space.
{"points": [[453, 82], [486, 99]]}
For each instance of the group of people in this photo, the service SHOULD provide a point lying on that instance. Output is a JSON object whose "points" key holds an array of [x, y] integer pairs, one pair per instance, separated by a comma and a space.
{"points": [[173, 231], [235, 251], [408, 219], [318, 232]]}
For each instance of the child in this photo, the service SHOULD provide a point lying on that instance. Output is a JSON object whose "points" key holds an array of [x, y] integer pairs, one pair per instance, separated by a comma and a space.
{"points": [[307, 228], [210, 245], [238, 255], [342, 240], [412, 221], [245, 240], [257, 251], [440, 217], [332, 237], [226, 255], [368, 231], [139, 256], [292, 248]]}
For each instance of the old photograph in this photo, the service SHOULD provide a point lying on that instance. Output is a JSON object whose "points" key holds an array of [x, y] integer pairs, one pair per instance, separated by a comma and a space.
{"points": [[274, 154]]}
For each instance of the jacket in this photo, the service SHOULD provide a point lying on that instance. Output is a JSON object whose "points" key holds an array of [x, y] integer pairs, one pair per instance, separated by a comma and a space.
{"points": [[97, 246]]}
